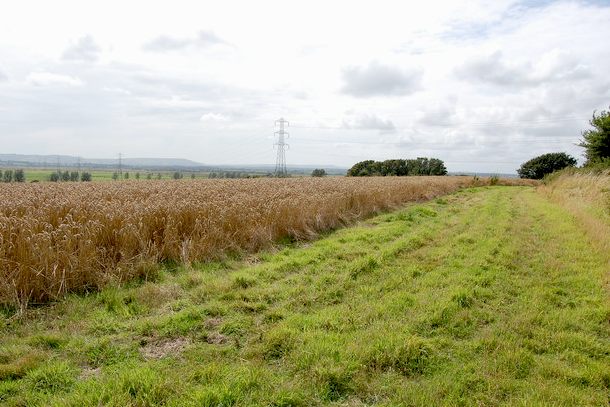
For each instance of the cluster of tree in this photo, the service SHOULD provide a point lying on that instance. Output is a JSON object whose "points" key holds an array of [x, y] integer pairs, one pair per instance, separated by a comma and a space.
{"points": [[595, 141], [538, 167], [230, 174], [118, 175], [398, 167], [318, 172], [70, 176], [12, 176]]}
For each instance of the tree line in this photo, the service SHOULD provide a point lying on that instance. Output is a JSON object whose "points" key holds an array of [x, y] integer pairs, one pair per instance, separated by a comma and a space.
{"points": [[12, 176], [398, 167], [72, 176]]}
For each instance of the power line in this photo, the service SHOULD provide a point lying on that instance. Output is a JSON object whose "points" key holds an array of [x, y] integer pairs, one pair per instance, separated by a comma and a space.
{"points": [[513, 123]]}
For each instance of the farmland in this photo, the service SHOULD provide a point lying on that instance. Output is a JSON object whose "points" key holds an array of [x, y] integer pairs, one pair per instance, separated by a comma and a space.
{"points": [[82, 236], [482, 296]]}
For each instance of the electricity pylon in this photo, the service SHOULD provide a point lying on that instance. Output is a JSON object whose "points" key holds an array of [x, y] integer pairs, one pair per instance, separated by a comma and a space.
{"points": [[280, 162]]}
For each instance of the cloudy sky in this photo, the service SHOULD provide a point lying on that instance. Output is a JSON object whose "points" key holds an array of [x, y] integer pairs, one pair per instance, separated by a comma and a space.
{"points": [[483, 85]]}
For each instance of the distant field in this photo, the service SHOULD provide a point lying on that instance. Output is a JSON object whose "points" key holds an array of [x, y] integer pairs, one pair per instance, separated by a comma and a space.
{"points": [[491, 296], [42, 175]]}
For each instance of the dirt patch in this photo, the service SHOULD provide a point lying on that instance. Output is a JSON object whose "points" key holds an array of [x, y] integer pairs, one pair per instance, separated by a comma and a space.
{"points": [[162, 348], [212, 323], [216, 339], [89, 372]]}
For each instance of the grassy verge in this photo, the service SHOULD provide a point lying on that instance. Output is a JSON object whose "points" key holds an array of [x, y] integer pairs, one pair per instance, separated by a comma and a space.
{"points": [[490, 296]]}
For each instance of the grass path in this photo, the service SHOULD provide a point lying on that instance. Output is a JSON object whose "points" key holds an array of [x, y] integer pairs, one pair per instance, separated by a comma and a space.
{"points": [[490, 296]]}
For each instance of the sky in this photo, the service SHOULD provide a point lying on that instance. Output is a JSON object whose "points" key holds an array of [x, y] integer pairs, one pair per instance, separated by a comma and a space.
{"points": [[482, 85]]}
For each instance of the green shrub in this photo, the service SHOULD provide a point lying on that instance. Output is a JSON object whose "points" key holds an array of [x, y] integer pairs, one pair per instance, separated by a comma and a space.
{"points": [[538, 167]]}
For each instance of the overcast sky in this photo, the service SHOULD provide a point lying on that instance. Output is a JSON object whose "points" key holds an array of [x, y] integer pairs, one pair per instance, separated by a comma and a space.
{"points": [[483, 85]]}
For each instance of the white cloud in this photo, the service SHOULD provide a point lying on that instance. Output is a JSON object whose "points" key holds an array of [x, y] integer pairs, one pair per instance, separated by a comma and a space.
{"points": [[117, 90], [496, 69], [369, 122], [212, 117], [203, 39], [84, 50], [52, 79], [380, 80]]}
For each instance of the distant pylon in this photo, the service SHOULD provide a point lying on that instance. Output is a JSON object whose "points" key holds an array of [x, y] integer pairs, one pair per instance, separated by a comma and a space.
{"points": [[280, 162]]}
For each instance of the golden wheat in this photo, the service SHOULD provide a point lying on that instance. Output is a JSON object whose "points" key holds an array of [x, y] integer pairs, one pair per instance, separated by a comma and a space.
{"points": [[59, 238]]}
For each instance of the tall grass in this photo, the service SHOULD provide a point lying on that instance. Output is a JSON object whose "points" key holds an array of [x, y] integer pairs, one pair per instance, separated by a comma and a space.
{"points": [[586, 194], [59, 238]]}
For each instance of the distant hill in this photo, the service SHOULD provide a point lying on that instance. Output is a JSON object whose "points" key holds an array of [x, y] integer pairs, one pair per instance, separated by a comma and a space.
{"points": [[50, 161], [68, 160]]}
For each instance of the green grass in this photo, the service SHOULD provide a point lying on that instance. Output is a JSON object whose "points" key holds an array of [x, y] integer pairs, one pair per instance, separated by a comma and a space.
{"points": [[490, 296]]}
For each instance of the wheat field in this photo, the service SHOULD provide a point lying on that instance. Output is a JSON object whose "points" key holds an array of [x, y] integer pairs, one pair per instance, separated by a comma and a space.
{"points": [[77, 237]]}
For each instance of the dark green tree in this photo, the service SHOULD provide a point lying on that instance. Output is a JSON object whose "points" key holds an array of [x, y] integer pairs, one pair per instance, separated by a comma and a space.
{"points": [[363, 169], [19, 176], [538, 167], [8, 176], [596, 141], [393, 167], [318, 172], [414, 167], [54, 177], [85, 177], [74, 176], [398, 167], [437, 167]]}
